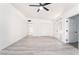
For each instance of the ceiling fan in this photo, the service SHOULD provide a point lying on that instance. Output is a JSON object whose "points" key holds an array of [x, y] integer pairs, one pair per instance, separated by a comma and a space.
{"points": [[41, 6]]}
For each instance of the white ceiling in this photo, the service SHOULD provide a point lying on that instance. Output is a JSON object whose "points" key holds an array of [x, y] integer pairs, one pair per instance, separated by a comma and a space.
{"points": [[56, 10]]}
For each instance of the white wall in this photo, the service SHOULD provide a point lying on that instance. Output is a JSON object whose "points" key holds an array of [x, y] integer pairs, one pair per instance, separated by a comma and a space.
{"points": [[40, 27], [71, 12], [12, 25]]}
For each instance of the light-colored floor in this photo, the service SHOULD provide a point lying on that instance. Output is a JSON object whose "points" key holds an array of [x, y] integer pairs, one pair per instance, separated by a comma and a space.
{"points": [[39, 46]]}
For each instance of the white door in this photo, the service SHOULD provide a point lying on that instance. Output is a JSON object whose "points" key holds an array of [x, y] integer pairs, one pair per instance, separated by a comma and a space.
{"points": [[59, 30]]}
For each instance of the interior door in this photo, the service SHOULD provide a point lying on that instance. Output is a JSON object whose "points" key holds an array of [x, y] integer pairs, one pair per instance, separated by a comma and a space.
{"points": [[59, 28]]}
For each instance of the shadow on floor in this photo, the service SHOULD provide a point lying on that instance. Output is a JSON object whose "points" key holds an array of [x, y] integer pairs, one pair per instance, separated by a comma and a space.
{"points": [[74, 44]]}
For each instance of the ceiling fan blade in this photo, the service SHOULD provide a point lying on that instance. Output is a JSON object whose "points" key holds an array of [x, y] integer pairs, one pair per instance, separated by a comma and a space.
{"points": [[40, 4], [46, 9], [35, 5], [38, 10], [46, 4]]}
